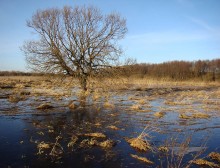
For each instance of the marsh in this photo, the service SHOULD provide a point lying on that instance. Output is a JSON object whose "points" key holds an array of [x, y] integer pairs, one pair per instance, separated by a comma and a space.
{"points": [[179, 123]]}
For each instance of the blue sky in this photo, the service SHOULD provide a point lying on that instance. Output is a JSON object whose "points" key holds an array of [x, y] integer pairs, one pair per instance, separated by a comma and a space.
{"points": [[158, 30]]}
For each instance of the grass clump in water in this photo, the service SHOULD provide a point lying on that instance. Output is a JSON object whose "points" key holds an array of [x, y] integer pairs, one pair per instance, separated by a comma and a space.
{"points": [[136, 107], [159, 114], [139, 143], [202, 162], [42, 146], [215, 156], [45, 106], [72, 142], [113, 127], [107, 144], [144, 159], [195, 116], [96, 135]]}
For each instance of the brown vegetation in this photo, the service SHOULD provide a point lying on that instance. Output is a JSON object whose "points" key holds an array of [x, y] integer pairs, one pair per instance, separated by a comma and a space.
{"points": [[202, 162], [177, 70], [215, 156], [45, 106], [139, 144], [96, 134], [144, 159]]}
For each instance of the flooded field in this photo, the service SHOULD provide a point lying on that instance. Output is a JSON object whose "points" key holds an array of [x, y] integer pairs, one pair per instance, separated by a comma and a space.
{"points": [[52, 126]]}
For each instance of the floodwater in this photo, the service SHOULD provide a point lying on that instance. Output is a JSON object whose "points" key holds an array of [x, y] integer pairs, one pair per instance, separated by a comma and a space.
{"points": [[153, 112]]}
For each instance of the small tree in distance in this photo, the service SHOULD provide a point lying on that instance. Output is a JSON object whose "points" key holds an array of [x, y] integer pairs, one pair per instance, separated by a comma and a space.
{"points": [[77, 41]]}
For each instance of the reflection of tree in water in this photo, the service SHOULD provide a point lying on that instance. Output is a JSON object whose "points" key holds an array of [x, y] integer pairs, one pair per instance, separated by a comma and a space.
{"points": [[77, 122]]}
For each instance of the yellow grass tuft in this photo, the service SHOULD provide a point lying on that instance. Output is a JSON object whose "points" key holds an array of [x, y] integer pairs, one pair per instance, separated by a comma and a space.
{"points": [[215, 156], [159, 114], [163, 149], [195, 115], [72, 105], [15, 98], [45, 106], [96, 134], [113, 127], [144, 159], [139, 143], [202, 162], [42, 146], [184, 116], [72, 141], [88, 143], [107, 144], [108, 105], [200, 115], [142, 101], [136, 107]]}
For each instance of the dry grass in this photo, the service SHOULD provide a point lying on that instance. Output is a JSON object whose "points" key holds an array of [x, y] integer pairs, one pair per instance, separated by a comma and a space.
{"points": [[159, 114], [184, 116], [113, 127], [72, 105], [106, 84], [202, 162], [136, 107], [215, 156], [195, 116], [163, 149], [141, 101], [86, 143], [108, 105], [201, 115], [96, 135], [98, 124], [96, 95], [143, 159], [139, 144], [107, 144], [72, 142], [42, 146], [45, 106], [16, 98], [149, 82], [57, 149]]}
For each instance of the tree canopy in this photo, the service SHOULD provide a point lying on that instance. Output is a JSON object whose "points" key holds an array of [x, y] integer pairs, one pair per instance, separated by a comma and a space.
{"points": [[75, 41]]}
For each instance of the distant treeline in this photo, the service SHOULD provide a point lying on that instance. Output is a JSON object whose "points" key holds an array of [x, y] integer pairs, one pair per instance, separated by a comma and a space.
{"points": [[208, 70], [19, 73]]}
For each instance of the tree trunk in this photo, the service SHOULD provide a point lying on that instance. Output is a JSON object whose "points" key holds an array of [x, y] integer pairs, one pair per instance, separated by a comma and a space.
{"points": [[83, 82], [213, 75]]}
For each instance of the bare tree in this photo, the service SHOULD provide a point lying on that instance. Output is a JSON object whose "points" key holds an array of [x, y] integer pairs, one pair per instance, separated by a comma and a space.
{"points": [[75, 41]]}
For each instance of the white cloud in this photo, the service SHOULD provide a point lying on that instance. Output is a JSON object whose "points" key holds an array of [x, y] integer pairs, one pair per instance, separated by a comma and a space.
{"points": [[201, 23], [167, 37]]}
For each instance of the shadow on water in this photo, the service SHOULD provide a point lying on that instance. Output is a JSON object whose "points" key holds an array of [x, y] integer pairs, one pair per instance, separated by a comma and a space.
{"points": [[44, 138]]}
